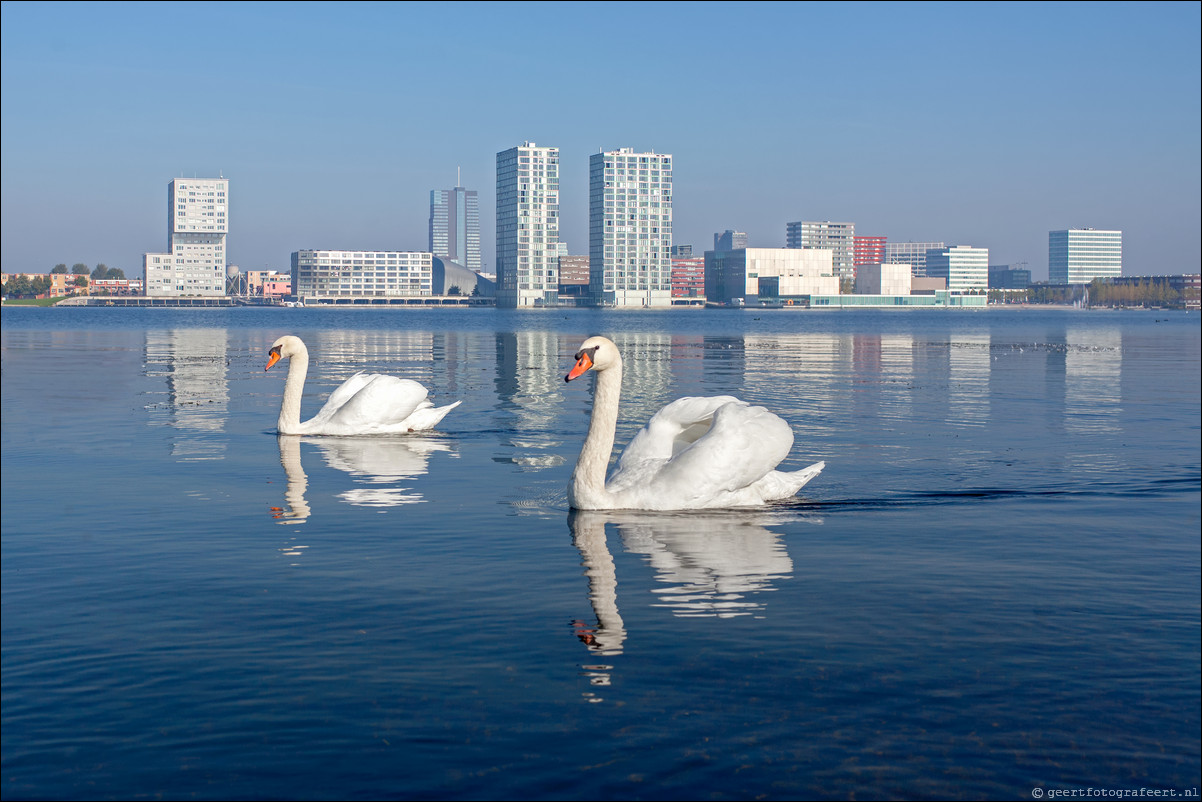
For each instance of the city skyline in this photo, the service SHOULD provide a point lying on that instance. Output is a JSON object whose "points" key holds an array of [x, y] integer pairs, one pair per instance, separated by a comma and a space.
{"points": [[1056, 116]]}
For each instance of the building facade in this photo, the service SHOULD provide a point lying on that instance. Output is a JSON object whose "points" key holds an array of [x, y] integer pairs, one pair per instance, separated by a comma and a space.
{"points": [[751, 275], [197, 225], [965, 268], [838, 238], [630, 228], [868, 250], [573, 278], [913, 254], [455, 226], [883, 279], [527, 226], [688, 277], [1079, 255], [327, 276]]}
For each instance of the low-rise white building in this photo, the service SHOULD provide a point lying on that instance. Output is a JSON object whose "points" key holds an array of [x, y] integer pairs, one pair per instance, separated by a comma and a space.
{"points": [[320, 275], [754, 274], [883, 279]]}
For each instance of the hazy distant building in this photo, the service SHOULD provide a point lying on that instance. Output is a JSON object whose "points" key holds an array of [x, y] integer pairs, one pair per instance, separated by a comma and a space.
{"points": [[911, 253], [682, 251], [197, 224], [730, 240], [965, 268], [527, 226], [455, 226], [868, 250], [838, 238], [751, 275], [1009, 277], [1079, 255], [630, 228], [326, 276], [883, 279]]}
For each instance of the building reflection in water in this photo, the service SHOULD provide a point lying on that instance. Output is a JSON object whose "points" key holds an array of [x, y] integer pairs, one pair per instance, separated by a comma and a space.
{"points": [[194, 364], [969, 363], [796, 376], [529, 390], [707, 564], [1093, 366]]}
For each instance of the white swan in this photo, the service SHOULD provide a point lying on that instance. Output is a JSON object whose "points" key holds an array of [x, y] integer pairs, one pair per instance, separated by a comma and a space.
{"points": [[366, 403], [695, 453]]}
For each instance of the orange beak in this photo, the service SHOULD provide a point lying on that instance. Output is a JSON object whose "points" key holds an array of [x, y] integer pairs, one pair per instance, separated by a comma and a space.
{"points": [[582, 366], [272, 359]]}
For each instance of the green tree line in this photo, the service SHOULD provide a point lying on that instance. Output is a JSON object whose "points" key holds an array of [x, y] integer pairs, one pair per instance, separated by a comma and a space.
{"points": [[1147, 292]]}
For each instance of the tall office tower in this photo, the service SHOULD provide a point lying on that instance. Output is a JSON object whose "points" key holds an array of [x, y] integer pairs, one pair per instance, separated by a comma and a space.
{"points": [[838, 237], [911, 253], [455, 226], [868, 250], [527, 226], [730, 240], [1079, 255], [965, 268], [630, 228], [197, 224]]}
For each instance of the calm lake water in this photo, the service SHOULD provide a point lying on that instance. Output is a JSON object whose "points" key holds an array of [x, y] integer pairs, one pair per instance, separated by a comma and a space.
{"points": [[993, 588]]}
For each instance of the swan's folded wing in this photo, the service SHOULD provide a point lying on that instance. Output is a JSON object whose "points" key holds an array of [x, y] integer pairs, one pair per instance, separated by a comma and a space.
{"points": [[674, 428], [742, 445], [383, 401], [344, 392]]}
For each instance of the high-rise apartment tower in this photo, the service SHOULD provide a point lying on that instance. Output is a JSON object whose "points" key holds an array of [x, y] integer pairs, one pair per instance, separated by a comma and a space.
{"points": [[630, 228], [527, 226], [197, 224]]}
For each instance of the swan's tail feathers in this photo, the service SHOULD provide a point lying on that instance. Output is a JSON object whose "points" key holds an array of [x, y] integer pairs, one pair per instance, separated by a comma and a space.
{"points": [[799, 479], [428, 417], [778, 485]]}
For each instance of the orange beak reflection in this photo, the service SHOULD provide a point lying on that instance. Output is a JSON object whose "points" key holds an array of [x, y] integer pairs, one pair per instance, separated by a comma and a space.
{"points": [[272, 359], [582, 365]]}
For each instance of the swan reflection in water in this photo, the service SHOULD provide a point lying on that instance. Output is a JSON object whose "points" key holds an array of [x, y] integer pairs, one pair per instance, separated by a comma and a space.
{"points": [[380, 463], [711, 564]]}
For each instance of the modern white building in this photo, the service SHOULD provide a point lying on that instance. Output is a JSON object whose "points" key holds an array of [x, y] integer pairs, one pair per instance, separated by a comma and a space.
{"points": [[751, 275], [883, 279], [911, 253], [527, 226], [630, 228], [965, 268], [197, 225], [1079, 255], [328, 276], [455, 226], [838, 238]]}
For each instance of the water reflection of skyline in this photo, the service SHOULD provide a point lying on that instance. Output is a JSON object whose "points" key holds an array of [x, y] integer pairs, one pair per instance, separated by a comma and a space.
{"points": [[194, 364]]}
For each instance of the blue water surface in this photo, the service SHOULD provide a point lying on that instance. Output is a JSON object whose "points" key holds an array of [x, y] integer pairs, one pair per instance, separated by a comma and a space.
{"points": [[992, 590]]}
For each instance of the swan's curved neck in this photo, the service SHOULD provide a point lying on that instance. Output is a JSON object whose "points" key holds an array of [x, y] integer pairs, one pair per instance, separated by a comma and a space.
{"points": [[588, 480], [294, 388]]}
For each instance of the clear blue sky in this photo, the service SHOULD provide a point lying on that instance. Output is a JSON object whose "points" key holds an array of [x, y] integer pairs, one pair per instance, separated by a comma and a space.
{"points": [[976, 124]]}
